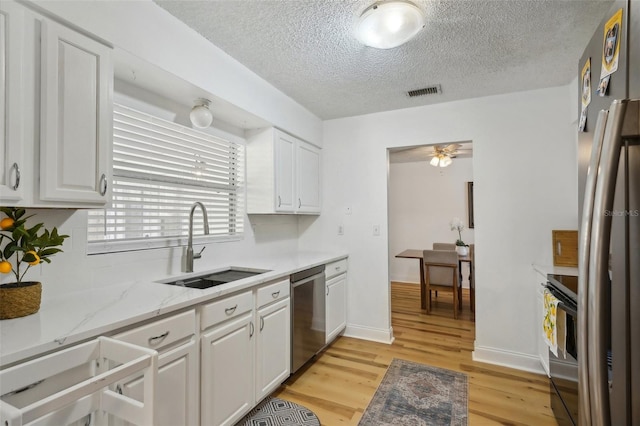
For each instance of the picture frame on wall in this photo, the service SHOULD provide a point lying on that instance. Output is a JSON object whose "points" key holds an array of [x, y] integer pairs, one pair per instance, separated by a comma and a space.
{"points": [[470, 204]]}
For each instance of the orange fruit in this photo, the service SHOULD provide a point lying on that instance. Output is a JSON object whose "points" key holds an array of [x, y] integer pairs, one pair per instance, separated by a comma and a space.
{"points": [[6, 223], [5, 267], [35, 255]]}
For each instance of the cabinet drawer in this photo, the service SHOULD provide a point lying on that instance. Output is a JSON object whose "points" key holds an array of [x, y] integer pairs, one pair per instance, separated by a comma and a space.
{"points": [[163, 332], [222, 310], [335, 268], [273, 292]]}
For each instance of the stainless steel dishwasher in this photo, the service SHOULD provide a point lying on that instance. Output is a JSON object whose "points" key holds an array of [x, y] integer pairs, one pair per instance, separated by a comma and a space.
{"points": [[307, 315]]}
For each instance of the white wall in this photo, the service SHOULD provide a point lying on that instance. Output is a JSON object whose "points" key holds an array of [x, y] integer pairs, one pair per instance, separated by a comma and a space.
{"points": [[422, 201], [524, 168]]}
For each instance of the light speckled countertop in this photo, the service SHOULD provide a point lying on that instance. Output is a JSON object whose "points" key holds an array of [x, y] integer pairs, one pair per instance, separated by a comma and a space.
{"points": [[75, 317]]}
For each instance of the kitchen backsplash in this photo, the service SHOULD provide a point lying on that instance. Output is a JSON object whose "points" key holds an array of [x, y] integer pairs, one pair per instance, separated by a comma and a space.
{"points": [[74, 270]]}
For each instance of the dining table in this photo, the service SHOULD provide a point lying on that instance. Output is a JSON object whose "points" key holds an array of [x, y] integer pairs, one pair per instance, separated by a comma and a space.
{"points": [[418, 254]]}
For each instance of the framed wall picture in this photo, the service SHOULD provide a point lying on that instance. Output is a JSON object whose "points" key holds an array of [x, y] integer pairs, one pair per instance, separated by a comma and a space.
{"points": [[470, 204]]}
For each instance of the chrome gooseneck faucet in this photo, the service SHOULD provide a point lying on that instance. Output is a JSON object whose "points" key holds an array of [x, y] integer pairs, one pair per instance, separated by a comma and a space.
{"points": [[190, 255]]}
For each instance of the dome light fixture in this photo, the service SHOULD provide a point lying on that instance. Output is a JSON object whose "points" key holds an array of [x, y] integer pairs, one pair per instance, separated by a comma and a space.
{"points": [[389, 24], [442, 160], [200, 115]]}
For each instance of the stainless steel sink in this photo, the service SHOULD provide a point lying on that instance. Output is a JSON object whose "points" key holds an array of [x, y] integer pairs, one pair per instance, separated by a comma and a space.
{"points": [[213, 279]]}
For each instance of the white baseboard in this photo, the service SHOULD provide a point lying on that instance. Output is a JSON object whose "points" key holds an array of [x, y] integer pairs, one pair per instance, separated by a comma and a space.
{"points": [[368, 333], [517, 360]]}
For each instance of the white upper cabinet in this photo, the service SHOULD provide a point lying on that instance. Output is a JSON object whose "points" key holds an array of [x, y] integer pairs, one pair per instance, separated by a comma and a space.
{"points": [[76, 116], [56, 104], [11, 138], [283, 174]]}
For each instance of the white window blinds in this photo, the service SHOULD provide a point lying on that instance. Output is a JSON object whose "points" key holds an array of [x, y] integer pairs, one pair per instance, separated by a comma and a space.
{"points": [[160, 169]]}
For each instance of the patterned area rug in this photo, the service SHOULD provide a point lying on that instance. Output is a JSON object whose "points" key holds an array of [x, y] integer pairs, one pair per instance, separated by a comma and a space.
{"points": [[414, 394], [276, 412]]}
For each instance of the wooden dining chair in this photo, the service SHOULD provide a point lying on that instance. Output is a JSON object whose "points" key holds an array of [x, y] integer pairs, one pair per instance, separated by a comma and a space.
{"points": [[441, 274], [444, 246]]}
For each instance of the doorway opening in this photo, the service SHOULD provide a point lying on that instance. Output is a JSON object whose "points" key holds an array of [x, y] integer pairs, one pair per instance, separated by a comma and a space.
{"points": [[429, 187]]}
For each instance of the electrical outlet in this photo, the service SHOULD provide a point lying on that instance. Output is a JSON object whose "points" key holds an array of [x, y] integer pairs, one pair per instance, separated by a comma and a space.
{"points": [[340, 230], [376, 230]]}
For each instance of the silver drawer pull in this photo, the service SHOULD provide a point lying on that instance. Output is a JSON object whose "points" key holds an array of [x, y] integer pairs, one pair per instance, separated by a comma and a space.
{"points": [[229, 311], [17, 183], [157, 339], [275, 294], [103, 184], [337, 268]]}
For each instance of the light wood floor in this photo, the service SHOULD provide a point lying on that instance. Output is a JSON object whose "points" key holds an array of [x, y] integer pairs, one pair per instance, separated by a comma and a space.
{"points": [[340, 383]]}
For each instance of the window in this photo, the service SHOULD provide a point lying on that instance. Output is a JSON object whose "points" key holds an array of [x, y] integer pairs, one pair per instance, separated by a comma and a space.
{"points": [[160, 169]]}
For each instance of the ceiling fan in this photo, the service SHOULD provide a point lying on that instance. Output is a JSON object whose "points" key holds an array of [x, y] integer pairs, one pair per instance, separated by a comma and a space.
{"points": [[442, 155]]}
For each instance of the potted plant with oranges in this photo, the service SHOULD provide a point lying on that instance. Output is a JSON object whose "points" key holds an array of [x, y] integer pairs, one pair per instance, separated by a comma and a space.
{"points": [[21, 248]]}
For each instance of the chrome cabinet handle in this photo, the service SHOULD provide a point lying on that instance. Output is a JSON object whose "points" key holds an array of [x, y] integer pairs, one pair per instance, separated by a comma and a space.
{"points": [[157, 339], [279, 201], [229, 311], [275, 294], [17, 183], [327, 290], [261, 323], [119, 389], [251, 329], [103, 184], [299, 203]]}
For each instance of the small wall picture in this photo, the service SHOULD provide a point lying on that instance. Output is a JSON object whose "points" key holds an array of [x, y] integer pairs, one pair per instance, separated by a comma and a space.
{"points": [[470, 203]]}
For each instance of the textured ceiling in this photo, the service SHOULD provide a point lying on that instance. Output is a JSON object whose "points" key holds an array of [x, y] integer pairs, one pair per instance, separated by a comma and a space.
{"points": [[472, 48]]}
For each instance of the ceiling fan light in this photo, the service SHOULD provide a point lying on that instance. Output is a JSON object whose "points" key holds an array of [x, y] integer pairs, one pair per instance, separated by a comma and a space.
{"points": [[445, 161], [386, 25], [434, 161], [200, 115]]}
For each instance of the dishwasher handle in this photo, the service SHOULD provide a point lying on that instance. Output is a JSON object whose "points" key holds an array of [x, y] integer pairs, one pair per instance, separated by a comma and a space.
{"points": [[295, 284]]}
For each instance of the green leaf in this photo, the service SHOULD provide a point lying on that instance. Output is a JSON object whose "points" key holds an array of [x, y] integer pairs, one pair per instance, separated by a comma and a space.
{"points": [[49, 252], [9, 249], [19, 213]]}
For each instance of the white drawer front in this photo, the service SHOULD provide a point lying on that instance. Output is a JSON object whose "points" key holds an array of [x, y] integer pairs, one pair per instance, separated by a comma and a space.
{"points": [[222, 310], [273, 292], [163, 332], [336, 268]]}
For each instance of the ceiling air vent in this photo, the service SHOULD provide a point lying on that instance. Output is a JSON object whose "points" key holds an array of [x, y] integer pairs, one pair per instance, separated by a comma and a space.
{"points": [[431, 90]]}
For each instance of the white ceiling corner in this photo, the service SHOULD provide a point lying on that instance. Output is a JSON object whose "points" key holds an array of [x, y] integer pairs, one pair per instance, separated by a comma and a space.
{"points": [[472, 48]]}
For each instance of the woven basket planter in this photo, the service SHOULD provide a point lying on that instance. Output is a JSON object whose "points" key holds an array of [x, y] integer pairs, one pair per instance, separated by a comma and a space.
{"points": [[19, 299]]}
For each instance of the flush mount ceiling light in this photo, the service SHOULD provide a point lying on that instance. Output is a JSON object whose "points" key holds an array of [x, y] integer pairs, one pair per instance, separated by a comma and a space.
{"points": [[201, 115], [385, 25]]}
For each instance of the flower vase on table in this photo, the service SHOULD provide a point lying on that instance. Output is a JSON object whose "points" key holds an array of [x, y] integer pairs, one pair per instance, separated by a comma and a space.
{"points": [[20, 249], [461, 248]]}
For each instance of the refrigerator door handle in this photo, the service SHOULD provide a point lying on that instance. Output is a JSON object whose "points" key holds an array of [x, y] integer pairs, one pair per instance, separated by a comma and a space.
{"points": [[598, 290], [583, 269]]}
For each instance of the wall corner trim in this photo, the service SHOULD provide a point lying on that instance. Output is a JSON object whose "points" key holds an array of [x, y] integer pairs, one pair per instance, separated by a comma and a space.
{"points": [[368, 333]]}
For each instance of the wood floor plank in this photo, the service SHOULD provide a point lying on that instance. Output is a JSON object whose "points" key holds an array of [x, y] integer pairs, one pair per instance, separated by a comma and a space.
{"points": [[339, 385]]}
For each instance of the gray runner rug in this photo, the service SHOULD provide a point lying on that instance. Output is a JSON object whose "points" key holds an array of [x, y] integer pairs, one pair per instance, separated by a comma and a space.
{"points": [[413, 394], [277, 412]]}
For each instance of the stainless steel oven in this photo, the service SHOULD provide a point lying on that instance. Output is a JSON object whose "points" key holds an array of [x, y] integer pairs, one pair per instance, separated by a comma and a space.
{"points": [[563, 369]]}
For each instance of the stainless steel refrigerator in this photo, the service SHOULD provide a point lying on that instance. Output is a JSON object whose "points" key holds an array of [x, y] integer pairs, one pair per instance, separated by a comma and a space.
{"points": [[609, 239]]}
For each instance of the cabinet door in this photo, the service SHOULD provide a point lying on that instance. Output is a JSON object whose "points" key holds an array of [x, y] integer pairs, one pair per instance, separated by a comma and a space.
{"points": [[336, 306], [284, 172], [176, 388], [308, 178], [273, 347], [227, 374], [11, 93], [76, 117]]}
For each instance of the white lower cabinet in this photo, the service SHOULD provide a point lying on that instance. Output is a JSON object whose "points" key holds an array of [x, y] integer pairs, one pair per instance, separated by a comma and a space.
{"points": [[227, 348], [336, 299], [74, 386], [177, 384], [273, 346]]}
